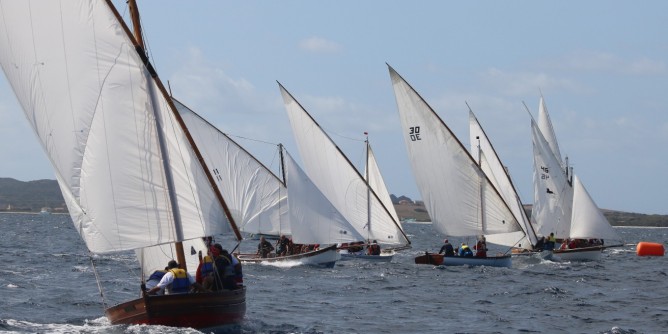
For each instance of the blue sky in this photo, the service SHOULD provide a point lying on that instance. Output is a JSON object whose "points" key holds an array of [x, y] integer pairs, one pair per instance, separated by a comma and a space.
{"points": [[601, 66]]}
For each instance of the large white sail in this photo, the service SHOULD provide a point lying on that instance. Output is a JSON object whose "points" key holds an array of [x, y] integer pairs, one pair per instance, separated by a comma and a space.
{"points": [[483, 151], [460, 199], [336, 177], [314, 219], [553, 194], [546, 128], [257, 199], [588, 221], [102, 119], [376, 182]]}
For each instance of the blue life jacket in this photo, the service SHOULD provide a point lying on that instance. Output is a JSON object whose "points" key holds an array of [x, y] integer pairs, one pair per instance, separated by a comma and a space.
{"points": [[181, 283], [157, 275], [207, 266]]}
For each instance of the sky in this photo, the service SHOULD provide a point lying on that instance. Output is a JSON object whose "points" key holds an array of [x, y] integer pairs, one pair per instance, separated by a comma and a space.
{"points": [[602, 67]]}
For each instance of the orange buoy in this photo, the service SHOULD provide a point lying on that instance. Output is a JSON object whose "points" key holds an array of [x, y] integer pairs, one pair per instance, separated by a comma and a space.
{"points": [[649, 249]]}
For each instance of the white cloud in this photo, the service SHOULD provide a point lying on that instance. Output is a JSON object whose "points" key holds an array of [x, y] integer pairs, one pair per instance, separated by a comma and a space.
{"points": [[319, 45], [593, 61]]}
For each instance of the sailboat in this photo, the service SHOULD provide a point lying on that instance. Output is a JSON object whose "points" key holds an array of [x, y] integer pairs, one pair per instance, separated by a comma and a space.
{"points": [[256, 197], [460, 198], [562, 205], [353, 195], [130, 174], [489, 161]]}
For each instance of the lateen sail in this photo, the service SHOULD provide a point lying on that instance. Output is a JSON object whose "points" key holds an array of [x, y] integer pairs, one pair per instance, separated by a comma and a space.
{"points": [[553, 194], [313, 218], [377, 183], [460, 199], [98, 112], [336, 177], [491, 165], [588, 221], [256, 197]]}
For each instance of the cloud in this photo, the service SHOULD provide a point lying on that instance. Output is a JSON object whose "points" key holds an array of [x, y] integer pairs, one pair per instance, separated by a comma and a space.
{"points": [[319, 45], [592, 61]]}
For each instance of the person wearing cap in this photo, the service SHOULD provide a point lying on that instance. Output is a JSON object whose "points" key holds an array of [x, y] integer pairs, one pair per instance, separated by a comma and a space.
{"points": [[447, 249], [373, 249], [175, 281]]}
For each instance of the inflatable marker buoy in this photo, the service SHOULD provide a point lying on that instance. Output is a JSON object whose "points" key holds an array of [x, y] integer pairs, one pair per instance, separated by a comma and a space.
{"points": [[649, 249]]}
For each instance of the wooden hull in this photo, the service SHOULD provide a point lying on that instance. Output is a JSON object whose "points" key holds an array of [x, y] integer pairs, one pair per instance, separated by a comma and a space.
{"points": [[439, 259], [579, 254], [324, 257], [196, 310], [429, 258]]}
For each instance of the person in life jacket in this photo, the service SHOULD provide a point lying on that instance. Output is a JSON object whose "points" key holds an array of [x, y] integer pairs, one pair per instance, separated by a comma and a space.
{"points": [[373, 249], [551, 242], [205, 267], [465, 251], [155, 278], [224, 270], [175, 281]]}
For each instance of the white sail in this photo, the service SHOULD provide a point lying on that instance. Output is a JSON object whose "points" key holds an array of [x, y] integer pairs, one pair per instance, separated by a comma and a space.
{"points": [[376, 182], [460, 199], [490, 163], [588, 221], [336, 177], [102, 119], [314, 219], [256, 198], [553, 194], [546, 128]]}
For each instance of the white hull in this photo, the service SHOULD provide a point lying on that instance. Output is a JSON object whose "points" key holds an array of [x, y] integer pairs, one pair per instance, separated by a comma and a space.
{"points": [[581, 254], [383, 257], [500, 261], [545, 255], [325, 257]]}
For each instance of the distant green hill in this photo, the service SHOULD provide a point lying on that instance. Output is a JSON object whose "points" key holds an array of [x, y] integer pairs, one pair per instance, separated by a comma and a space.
{"points": [[29, 196], [409, 210]]}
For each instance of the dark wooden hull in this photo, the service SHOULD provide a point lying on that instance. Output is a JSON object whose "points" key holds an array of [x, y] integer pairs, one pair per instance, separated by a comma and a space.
{"points": [[430, 258], [196, 310], [439, 259]]}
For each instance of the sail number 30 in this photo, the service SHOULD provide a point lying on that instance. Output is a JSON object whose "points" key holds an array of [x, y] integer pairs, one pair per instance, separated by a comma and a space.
{"points": [[414, 133]]}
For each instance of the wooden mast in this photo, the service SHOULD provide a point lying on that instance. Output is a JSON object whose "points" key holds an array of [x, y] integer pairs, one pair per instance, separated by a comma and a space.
{"points": [[139, 44]]}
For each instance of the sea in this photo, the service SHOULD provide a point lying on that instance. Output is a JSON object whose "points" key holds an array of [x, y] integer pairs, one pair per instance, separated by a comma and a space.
{"points": [[48, 285]]}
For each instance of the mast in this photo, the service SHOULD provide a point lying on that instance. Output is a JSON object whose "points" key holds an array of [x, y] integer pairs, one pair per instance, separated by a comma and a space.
{"points": [[368, 189], [139, 45], [282, 168], [482, 196]]}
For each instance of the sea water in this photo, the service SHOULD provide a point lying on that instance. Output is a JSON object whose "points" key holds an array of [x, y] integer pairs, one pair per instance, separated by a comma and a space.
{"points": [[47, 285]]}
